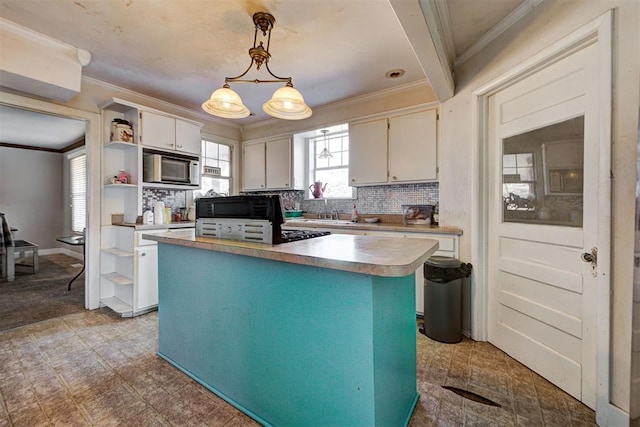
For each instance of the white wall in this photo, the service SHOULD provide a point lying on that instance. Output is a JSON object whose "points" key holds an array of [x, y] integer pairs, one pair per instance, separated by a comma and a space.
{"points": [[548, 23], [31, 189]]}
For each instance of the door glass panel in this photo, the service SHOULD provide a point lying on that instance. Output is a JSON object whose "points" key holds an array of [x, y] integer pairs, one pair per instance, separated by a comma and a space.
{"points": [[542, 175]]}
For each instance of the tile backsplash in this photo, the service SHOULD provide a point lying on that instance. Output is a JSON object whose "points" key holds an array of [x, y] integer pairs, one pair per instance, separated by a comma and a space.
{"points": [[173, 199], [381, 199]]}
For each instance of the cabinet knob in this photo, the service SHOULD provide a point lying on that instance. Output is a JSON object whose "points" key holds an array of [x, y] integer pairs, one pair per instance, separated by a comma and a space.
{"points": [[353, 180], [170, 145], [394, 177], [179, 145], [143, 254]]}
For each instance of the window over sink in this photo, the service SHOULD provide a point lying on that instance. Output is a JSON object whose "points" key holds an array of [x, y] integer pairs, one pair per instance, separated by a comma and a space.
{"points": [[332, 171]]}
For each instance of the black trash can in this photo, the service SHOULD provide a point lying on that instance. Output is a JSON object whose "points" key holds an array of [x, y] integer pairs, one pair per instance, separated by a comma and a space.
{"points": [[443, 278]]}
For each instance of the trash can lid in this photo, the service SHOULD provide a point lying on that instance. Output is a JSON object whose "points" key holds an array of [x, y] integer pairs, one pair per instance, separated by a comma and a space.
{"points": [[443, 261]]}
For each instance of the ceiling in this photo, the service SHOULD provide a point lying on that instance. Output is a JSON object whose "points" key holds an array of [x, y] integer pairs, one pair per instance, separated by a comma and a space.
{"points": [[180, 51], [24, 127]]}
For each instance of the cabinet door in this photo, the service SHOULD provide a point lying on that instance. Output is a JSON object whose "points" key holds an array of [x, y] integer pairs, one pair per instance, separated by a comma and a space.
{"points": [[188, 137], [278, 164], [253, 167], [412, 147], [146, 277], [158, 131], [368, 152]]}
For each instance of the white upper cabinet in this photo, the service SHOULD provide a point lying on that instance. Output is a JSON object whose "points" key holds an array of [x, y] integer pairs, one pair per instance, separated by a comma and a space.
{"points": [[168, 133], [368, 152], [278, 162], [412, 147], [273, 165], [254, 167], [399, 148], [158, 131], [188, 138]]}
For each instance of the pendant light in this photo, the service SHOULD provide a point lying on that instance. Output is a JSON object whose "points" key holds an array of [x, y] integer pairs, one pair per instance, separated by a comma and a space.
{"points": [[325, 153], [286, 103]]}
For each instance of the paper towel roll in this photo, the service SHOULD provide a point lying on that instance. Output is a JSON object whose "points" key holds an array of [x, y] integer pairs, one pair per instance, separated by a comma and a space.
{"points": [[158, 213]]}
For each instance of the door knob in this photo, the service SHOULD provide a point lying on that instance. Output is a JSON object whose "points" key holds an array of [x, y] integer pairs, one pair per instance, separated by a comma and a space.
{"points": [[590, 256]]}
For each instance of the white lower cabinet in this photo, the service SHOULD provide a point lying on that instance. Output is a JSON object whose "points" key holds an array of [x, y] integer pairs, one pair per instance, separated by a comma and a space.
{"points": [[146, 274], [129, 271]]}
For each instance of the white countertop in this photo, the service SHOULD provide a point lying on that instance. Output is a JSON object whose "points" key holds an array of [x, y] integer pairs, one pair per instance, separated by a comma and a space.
{"points": [[182, 224], [376, 256], [293, 223]]}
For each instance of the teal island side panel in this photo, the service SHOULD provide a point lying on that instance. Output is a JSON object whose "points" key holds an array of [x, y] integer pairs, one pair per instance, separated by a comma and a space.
{"points": [[290, 344]]}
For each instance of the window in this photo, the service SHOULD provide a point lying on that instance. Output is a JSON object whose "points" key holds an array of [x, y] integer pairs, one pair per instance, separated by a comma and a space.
{"points": [[332, 171], [78, 175], [518, 175], [216, 177]]}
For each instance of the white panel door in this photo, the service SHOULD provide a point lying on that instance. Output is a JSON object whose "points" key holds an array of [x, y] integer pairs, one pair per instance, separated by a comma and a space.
{"points": [[543, 216]]}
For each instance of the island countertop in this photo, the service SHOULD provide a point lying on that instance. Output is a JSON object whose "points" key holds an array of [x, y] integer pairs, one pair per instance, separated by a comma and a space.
{"points": [[377, 256]]}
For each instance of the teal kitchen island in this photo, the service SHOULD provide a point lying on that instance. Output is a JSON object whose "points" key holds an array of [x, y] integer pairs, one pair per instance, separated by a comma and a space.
{"points": [[315, 332]]}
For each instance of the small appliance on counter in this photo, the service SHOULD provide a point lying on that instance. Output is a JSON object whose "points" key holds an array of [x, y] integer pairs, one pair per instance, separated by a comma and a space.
{"points": [[250, 218]]}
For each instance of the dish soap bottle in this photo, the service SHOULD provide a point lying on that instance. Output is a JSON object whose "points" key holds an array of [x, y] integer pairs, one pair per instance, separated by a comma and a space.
{"points": [[354, 214]]}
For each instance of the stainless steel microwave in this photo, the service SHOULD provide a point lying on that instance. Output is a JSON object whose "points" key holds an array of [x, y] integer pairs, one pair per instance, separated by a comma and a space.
{"points": [[170, 169]]}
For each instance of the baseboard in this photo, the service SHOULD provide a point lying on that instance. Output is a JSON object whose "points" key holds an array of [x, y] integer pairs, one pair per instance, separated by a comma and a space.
{"points": [[616, 417], [63, 251]]}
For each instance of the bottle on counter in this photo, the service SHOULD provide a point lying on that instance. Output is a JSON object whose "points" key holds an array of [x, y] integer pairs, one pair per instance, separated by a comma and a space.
{"points": [[147, 217], [436, 216], [354, 214]]}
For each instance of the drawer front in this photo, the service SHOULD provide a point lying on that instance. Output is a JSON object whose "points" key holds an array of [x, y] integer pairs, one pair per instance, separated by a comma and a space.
{"points": [[140, 241], [447, 245], [183, 232]]}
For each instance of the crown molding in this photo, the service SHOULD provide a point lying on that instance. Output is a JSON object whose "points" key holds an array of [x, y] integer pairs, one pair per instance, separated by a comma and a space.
{"points": [[29, 34], [184, 110], [372, 96], [502, 26], [449, 45]]}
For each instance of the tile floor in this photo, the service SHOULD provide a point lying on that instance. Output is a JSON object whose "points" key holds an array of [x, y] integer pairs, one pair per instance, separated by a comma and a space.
{"points": [[93, 368]]}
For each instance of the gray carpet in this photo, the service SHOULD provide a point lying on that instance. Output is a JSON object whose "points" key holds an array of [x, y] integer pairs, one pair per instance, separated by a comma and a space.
{"points": [[31, 298]]}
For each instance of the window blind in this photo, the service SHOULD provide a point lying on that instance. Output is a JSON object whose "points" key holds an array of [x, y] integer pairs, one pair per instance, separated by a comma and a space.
{"points": [[78, 170]]}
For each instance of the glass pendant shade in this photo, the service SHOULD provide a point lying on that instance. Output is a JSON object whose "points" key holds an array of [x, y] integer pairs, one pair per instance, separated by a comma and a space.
{"points": [[325, 153], [287, 103], [226, 103]]}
